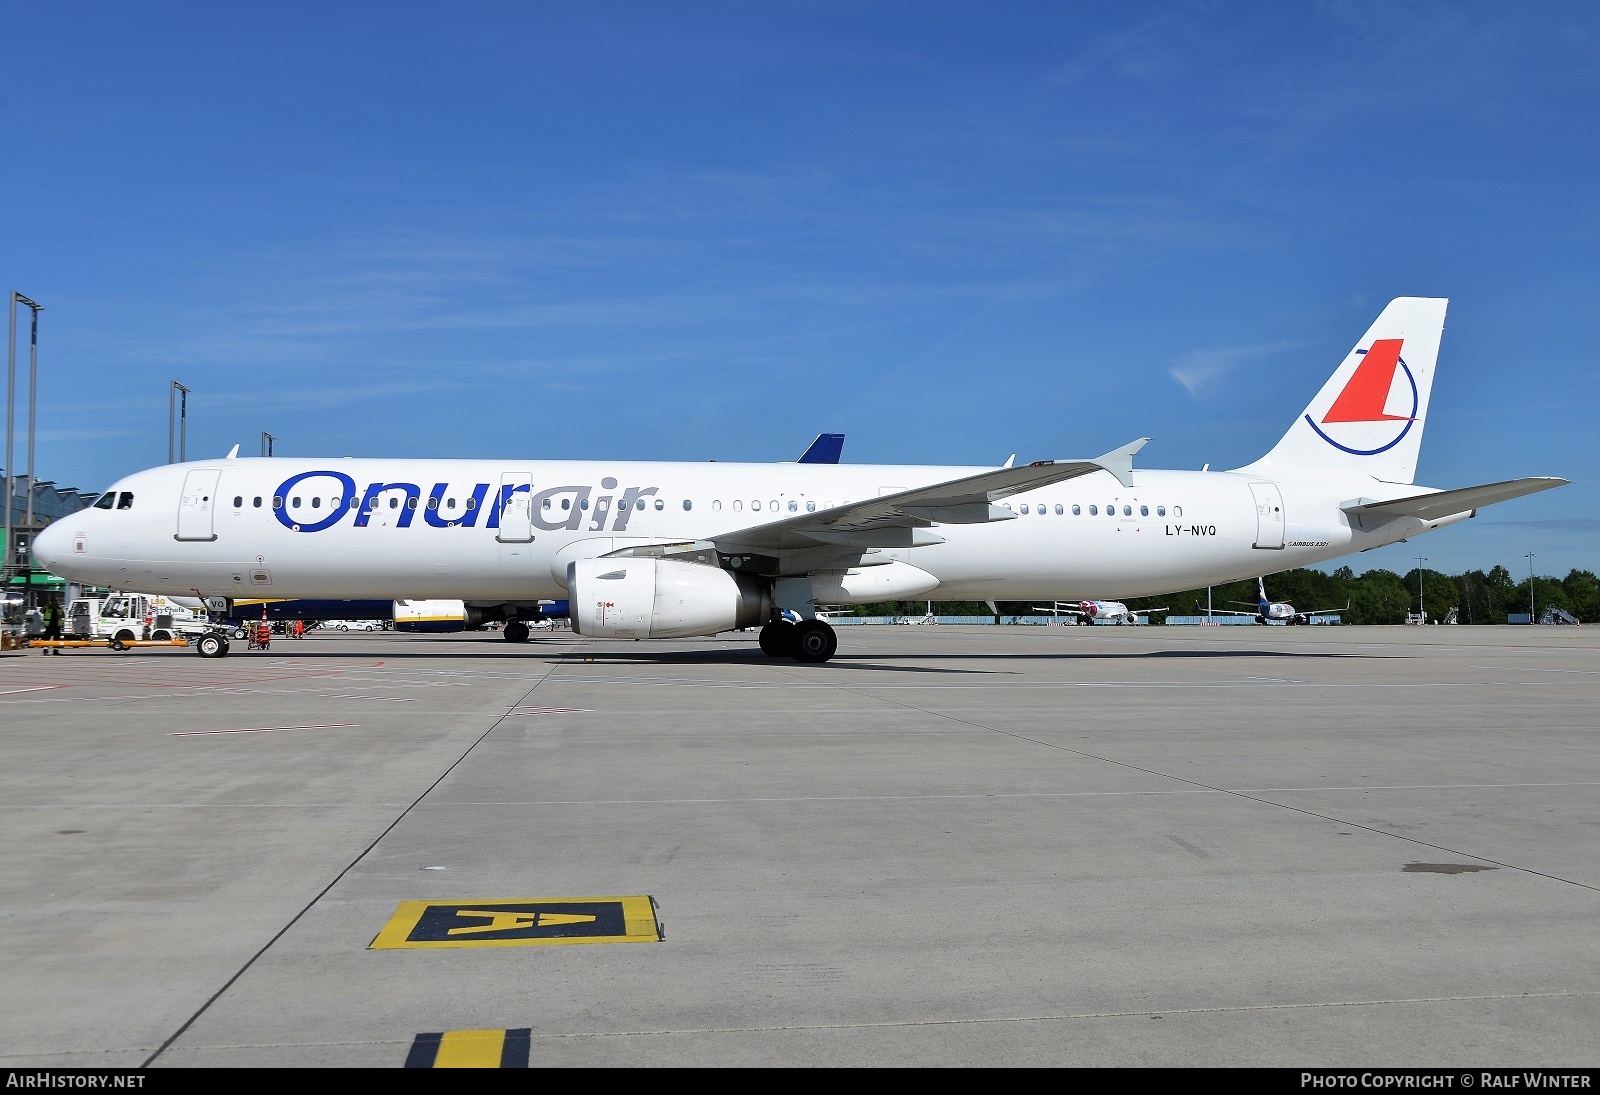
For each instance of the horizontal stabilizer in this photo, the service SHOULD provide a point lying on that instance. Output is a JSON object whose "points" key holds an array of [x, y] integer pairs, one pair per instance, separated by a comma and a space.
{"points": [[1437, 504]]}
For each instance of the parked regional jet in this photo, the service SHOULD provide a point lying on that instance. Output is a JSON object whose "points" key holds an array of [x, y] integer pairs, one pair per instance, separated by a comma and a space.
{"points": [[666, 550], [1276, 612], [1087, 612]]}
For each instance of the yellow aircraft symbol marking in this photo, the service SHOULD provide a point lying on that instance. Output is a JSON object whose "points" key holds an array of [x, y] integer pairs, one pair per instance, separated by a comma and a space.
{"points": [[512, 921]]}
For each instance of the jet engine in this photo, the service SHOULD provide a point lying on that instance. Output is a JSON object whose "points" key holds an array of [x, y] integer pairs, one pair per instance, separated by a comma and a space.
{"points": [[655, 598]]}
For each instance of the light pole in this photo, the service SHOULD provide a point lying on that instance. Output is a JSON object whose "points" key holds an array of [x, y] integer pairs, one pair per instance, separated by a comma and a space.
{"points": [[182, 417], [11, 405], [1530, 586], [266, 443], [1422, 615]]}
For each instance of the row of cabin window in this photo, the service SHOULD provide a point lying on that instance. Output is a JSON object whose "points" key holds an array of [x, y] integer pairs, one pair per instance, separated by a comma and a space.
{"points": [[1111, 510], [112, 498], [106, 500], [472, 503]]}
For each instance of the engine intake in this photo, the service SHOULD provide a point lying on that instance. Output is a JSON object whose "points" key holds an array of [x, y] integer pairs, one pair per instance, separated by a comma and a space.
{"points": [[643, 598]]}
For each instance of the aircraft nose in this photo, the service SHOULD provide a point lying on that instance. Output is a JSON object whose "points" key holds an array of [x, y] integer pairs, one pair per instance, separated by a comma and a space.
{"points": [[50, 547]]}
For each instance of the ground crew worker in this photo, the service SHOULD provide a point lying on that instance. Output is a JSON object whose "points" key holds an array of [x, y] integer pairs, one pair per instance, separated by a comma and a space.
{"points": [[299, 629], [52, 625]]}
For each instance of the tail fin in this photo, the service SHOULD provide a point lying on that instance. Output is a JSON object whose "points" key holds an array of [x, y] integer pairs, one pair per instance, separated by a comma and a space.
{"points": [[1367, 420]]}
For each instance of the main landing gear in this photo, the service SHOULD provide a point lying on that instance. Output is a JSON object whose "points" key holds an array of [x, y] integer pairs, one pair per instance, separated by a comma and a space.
{"points": [[516, 631], [806, 641]]}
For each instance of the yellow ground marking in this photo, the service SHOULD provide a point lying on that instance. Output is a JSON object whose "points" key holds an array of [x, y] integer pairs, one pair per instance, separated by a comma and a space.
{"points": [[520, 922], [505, 921], [470, 1049]]}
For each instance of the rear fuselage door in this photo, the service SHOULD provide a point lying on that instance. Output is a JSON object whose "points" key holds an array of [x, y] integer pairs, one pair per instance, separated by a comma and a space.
{"points": [[198, 505], [516, 508], [1269, 515]]}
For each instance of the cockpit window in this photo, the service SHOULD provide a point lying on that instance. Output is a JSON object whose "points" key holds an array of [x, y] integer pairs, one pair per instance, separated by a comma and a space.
{"points": [[125, 500], [106, 501]]}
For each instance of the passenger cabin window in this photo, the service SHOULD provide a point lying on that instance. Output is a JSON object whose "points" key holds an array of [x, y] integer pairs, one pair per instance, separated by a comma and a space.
{"points": [[1094, 511], [640, 504], [238, 501], [755, 505], [470, 503], [1161, 511], [316, 503], [433, 503], [716, 506], [737, 505], [660, 505], [257, 502], [411, 502], [1058, 509], [811, 507], [1127, 511], [687, 505], [106, 501], [277, 501], [294, 503], [125, 500], [794, 506], [394, 502], [1077, 511], [1024, 508], [1144, 511], [1177, 511]]}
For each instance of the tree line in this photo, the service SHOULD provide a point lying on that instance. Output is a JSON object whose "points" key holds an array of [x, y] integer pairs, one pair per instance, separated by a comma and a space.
{"points": [[1375, 597]]}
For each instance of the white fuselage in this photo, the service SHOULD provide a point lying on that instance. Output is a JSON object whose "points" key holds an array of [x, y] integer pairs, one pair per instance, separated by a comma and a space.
{"points": [[360, 528]]}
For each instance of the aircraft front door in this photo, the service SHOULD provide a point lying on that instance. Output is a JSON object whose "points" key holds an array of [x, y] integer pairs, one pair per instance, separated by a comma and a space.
{"points": [[1269, 515], [198, 505], [515, 503]]}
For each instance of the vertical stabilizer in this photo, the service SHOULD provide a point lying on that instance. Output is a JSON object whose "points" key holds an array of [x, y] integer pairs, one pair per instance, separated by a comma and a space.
{"points": [[1367, 420]]}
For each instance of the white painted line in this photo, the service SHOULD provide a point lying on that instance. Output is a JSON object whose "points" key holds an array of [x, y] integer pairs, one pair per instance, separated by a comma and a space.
{"points": [[262, 729], [1529, 669], [549, 711], [35, 688]]}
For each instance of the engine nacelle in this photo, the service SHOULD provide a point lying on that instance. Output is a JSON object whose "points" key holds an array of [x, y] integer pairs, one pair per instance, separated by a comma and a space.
{"points": [[864, 585], [653, 598]]}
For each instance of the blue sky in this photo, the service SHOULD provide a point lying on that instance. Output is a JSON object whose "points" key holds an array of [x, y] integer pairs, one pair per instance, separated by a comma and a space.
{"points": [[703, 230]]}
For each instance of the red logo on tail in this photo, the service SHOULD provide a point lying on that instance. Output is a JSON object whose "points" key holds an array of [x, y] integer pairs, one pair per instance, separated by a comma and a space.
{"points": [[1368, 390]]}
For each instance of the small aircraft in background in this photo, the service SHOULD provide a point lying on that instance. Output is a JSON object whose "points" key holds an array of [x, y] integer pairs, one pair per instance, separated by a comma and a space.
{"points": [[1277, 612], [1087, 612]]}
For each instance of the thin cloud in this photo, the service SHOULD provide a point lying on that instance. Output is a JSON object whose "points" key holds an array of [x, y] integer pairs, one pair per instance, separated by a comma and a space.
{"points": [[1559, 524], [1197, 368]]}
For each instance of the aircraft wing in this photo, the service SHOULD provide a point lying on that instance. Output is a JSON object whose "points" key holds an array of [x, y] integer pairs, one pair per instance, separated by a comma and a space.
{"points": [[888, 520], [1446, 502]]}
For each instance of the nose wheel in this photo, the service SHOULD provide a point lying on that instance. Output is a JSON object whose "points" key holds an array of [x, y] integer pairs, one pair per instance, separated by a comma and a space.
{"points": [[212, 646]]}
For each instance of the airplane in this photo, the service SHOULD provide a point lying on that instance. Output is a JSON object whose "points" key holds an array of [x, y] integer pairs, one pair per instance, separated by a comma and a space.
{"points": [[671, 550], [1275, 612], [1087, 612]]}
